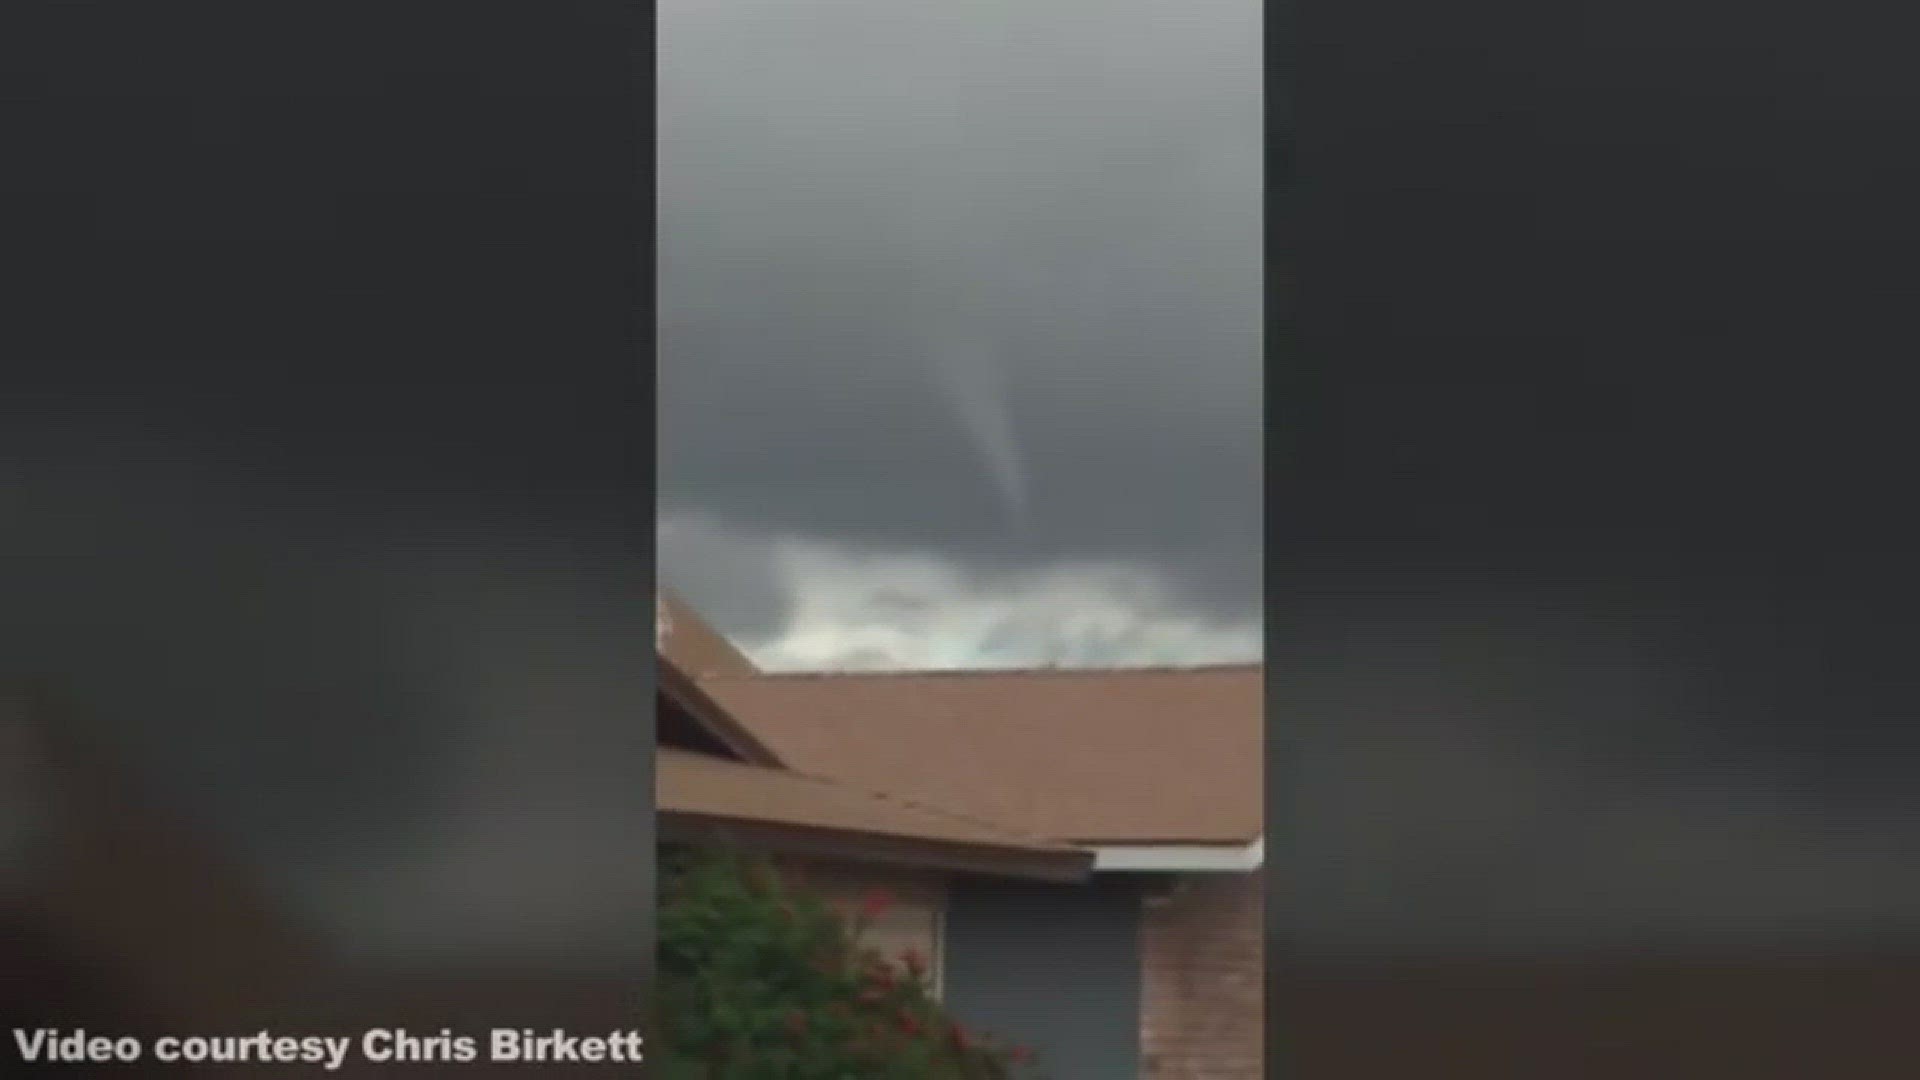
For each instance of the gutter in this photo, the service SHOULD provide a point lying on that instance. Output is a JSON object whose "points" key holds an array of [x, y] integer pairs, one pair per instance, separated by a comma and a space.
{"points": [[1180, 858]]}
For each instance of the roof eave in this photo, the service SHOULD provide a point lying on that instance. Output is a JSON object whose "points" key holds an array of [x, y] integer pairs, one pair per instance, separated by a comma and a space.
{"points": [[1064, 865], [737, 737]]}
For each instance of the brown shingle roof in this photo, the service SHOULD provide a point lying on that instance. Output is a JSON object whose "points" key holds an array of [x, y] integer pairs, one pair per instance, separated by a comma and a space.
{"points": [[680, 691], [1153, 755], [693, 645], [692, 788]]}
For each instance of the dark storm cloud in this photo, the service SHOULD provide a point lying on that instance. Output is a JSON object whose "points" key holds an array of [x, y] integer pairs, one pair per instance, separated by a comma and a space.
{"points": [[980, 282], [1603, 753]]}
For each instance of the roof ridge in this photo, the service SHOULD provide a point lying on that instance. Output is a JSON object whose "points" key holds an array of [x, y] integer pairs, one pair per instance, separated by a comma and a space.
{"points": [[987, 672]]}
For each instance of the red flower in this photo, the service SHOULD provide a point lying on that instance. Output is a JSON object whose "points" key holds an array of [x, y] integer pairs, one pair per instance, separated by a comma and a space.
{"points": [[915, 962], [1020, 1055], [909, 1024], [959, 1037], [796, 1023], [875, 904], [880, 975]]}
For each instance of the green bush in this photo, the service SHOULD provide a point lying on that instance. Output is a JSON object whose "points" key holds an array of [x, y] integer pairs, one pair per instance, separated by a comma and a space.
{"points": [[758, 981]]}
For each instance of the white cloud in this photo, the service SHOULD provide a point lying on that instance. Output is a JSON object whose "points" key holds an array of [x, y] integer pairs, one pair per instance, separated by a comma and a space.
{"points": [[878, 611], [848, 607]]}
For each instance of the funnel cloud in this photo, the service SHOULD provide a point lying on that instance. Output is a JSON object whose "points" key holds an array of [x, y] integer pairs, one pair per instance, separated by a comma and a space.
{"points": [[970, 382]]}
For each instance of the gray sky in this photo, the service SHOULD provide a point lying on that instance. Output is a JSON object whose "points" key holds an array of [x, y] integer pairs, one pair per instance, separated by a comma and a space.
{"points": [[960, 328], [960, 364]]}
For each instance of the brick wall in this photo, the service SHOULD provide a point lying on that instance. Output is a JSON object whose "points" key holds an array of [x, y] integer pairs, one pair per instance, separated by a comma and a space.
{"points": [[1202, 1007]]}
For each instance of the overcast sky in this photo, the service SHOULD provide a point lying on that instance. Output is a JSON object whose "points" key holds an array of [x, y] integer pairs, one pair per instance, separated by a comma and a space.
{"points": [[960, 352], [960, 364]]}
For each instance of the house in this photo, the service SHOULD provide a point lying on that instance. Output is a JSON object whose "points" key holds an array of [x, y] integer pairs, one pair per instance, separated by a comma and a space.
{"points": [[1151, 964], [713, 781], [716, 784]]}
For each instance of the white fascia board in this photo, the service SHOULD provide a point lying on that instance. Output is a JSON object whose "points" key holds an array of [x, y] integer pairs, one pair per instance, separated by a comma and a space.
{"points": [[1180, 858]]}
